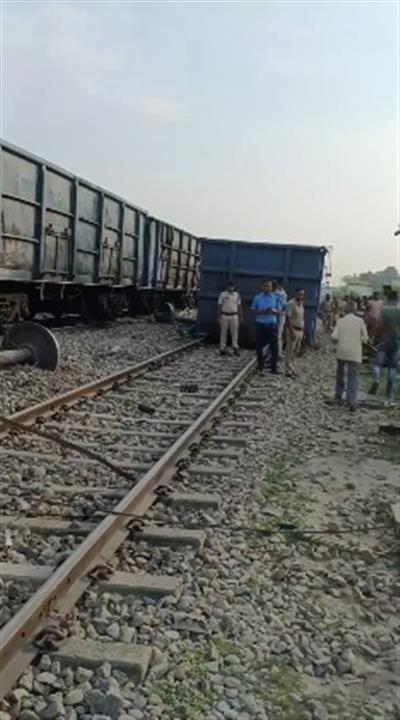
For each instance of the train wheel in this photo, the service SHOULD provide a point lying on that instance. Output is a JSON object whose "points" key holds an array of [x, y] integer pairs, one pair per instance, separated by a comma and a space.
{"points": [[166, 313]]}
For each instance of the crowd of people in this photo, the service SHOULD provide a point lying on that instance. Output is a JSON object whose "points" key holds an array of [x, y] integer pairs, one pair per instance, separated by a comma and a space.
{"points": [[279, 325], [369, 308]]}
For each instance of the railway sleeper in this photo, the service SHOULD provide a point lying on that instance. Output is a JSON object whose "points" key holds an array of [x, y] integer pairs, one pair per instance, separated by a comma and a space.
{"points": [[157, 451], [223, 439], [123, 583], [128, 419], [177, 499], [169, 537], [106, 431], [206, 470], [134, 660], [154, 535]]}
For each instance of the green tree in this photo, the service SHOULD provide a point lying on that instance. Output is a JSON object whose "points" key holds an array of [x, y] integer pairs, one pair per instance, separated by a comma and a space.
{"points": [[377, 279]]}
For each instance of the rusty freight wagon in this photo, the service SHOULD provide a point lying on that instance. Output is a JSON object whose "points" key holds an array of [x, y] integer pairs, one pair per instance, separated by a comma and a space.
{"points": [[68, 245]]}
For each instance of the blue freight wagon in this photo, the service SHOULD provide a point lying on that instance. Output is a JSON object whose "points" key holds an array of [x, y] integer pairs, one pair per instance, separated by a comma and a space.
{"points": [[247, 264], [68, 245]]}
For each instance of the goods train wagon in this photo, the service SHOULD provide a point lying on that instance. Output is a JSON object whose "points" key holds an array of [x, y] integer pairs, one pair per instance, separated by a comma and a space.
{"points": [[247, 264], [70, 246]]}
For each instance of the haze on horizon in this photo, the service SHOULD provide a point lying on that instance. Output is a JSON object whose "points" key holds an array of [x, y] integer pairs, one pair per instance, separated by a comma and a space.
{"points": [[272, 121]]}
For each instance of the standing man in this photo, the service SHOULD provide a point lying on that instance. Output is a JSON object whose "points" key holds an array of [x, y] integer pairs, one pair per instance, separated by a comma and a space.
{"points": [[277, 287], [294, 329], [327, 313], [388, 353], [350, 333], [342, 306], [265, 307], [229, 317], [374, 311]]}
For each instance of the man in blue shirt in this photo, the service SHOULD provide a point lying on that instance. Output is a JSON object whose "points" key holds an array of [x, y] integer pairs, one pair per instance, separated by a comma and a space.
{"points": [[266, 309]]}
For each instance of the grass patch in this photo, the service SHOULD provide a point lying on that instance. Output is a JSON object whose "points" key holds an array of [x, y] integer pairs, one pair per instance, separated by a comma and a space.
{"points": [[281, 684], [278, 488], [225, 646], [191, 698]]}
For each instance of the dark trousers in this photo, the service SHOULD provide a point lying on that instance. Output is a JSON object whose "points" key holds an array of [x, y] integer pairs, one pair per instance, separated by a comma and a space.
{"points": [[267, 335]]}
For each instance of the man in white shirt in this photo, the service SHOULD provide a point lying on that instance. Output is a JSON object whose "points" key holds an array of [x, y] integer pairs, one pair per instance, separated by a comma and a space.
{"points": [[350, 333], [229, 317]]}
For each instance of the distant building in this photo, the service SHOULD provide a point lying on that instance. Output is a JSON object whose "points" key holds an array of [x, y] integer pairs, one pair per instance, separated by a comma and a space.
{"points": [[359, 289]]}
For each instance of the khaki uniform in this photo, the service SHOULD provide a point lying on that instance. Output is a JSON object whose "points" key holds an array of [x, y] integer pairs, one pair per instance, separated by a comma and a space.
{"points": [[294, 332], [281, 321], [229, 304], [327, 314]]}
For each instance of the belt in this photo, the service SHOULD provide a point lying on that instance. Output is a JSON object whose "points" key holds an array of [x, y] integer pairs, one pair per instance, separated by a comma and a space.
{"points": [[230, 314], [296, 327]]}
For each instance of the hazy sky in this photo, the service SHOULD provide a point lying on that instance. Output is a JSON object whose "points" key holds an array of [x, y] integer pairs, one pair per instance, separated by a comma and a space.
{"points": [[263, 121]]}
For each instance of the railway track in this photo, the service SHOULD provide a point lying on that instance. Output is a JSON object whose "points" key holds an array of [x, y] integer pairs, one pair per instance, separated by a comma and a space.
{"points": [[89, 466]]}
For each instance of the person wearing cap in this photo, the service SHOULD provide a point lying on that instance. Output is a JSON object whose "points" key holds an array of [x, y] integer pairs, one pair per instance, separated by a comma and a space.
{"points": [[350, 333], [229, 318], [294, 329]]}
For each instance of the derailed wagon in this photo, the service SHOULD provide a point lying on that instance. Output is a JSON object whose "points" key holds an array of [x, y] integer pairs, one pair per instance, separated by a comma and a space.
{"points": [[247, 264], [68, 245]]}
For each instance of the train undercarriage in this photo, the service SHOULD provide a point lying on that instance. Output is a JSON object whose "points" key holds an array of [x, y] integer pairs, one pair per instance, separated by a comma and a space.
{"points": [[27, 301]]}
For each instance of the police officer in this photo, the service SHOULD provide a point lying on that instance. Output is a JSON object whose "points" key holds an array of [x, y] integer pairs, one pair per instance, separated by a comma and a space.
{"points": [[279, 290], [229, 317], [294, 329]]}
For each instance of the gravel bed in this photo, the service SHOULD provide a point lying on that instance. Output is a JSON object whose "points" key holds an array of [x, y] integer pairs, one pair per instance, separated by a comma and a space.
{"points": [[279, 626], [27, 546], [13, 594], [48, 503], [86, 353]]}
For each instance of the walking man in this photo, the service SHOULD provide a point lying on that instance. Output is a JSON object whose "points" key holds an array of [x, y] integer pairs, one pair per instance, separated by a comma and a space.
{"points": [[294, 330], [350, 333], [229, 318], [388, 353], [265, 307]]}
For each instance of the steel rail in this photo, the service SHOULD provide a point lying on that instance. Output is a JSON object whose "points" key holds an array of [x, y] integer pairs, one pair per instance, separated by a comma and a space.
{"points": [[70, 397], [62, 590]]}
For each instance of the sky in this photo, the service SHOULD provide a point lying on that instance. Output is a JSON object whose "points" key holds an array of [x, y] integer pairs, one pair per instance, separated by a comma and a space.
{"points": [[269, 121]]}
